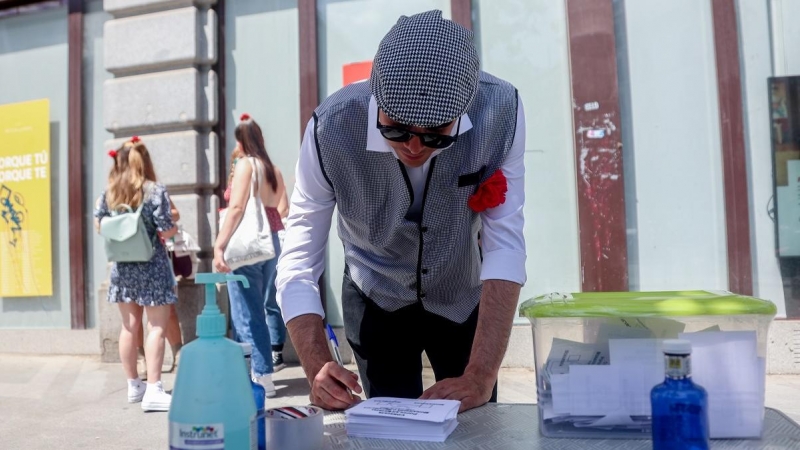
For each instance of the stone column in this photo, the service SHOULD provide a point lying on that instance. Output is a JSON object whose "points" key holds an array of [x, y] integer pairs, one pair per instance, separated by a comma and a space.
{"points": [[164, 90]]}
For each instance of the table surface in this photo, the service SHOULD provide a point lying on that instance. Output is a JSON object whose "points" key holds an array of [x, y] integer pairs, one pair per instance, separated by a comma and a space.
{"points": [[516, 426]]}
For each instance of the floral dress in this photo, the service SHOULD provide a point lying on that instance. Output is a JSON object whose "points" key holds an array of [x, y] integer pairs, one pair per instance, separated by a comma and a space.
{"points": [[150, 283]]}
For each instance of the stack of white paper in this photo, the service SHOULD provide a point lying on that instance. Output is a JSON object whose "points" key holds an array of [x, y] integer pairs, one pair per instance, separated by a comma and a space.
{"points": [[621, 388], [727, 365], [592, 387], [401, 418], [564, 354]]}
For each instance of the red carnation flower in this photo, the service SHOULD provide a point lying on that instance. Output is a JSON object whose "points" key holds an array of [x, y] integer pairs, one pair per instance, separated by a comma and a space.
{"points": [[135, 140], [490, 194], [244, 117]]}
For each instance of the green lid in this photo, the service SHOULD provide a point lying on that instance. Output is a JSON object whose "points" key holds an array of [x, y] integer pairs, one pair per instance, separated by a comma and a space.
{"points": [[645, 304], [211, 322]]}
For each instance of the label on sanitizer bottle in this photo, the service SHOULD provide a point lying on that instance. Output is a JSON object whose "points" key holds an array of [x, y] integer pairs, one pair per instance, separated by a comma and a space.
{"points": [[208, 436]]}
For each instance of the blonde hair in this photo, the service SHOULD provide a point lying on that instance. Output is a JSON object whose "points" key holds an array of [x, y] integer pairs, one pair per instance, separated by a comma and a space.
{"points": [[132, 168]]}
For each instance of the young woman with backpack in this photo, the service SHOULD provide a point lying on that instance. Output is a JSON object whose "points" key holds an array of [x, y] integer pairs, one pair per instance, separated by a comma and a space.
{"points": [[146, 285]]}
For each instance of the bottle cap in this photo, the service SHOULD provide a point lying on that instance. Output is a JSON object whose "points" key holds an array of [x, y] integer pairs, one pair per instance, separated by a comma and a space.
{"points": [[211, 322], [677, 347]]}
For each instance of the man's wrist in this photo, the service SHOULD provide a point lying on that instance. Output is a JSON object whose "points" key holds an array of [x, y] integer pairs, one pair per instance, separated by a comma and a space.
{"points": [[313, 371], [315, 368], [486, 377], [312, 348]]}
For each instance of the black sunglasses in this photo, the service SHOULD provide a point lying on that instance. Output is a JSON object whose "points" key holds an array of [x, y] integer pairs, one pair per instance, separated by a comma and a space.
{"points": [[430, 140]]}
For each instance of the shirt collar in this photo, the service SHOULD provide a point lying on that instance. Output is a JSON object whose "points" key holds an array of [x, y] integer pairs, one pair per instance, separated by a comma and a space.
{"points": [[376, 141]]}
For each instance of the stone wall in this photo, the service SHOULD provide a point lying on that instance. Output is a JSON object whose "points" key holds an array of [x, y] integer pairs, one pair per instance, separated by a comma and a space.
{"points": [[164, 90]]}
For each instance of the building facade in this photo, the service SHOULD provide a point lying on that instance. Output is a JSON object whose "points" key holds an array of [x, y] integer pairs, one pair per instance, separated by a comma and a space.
{"points": [[658, 150]]}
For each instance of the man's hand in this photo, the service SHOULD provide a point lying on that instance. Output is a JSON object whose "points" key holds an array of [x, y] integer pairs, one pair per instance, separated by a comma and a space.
{"points": [[495, 317], [328, 381], [471, 390], [328, 389]]}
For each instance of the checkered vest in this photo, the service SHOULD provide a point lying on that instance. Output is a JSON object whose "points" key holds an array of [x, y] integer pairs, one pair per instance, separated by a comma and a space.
{"points": [[395, 260]]}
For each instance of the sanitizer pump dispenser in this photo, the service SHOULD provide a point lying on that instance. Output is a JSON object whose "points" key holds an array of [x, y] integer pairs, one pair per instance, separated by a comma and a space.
{"points": [[212, 402]]}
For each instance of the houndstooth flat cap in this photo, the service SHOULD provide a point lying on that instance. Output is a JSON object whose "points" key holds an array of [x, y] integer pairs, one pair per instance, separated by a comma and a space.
{"points": [[426, 70]]}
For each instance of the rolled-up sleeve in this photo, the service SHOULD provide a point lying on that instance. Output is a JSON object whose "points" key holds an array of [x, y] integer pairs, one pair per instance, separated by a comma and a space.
{"points": [[302, 258], [502, 238]]}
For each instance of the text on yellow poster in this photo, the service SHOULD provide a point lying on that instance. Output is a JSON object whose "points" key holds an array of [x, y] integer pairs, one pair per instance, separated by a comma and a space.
{"points": [[25, 239]]}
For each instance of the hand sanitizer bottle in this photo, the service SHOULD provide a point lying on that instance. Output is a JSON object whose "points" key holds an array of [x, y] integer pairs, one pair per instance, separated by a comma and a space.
{"points": [[212, 403], [680, 407], [259, 395]]}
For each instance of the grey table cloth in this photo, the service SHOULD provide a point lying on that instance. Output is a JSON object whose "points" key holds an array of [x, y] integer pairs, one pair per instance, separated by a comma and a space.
{"points": [[498, 426]]}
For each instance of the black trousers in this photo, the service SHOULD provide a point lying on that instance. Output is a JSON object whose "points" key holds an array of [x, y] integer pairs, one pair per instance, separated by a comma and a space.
{"points": [[388, 346]]}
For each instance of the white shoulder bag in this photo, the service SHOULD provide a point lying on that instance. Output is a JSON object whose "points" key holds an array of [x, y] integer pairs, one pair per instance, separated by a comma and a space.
{"points": [[251, 242]]}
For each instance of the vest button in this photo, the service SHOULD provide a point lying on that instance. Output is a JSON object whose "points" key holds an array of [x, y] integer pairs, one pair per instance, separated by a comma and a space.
{"points": [[424, 229], [422, 295], [424, 271]]}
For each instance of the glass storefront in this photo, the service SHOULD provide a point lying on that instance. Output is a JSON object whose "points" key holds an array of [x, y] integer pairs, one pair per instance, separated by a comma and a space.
{"points": [[33, 65], [262, 76], [526, 44], [671, 139]]}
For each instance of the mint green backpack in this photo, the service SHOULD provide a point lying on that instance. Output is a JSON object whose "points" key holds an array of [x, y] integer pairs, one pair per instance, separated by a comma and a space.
{"points": [[125, 234]]}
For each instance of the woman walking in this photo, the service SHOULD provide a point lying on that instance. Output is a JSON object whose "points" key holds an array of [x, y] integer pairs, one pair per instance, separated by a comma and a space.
{"points": [[141, 286], [252, 307]]}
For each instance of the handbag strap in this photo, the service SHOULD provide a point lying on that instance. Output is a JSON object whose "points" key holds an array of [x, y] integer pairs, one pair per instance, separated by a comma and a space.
{"points": [[255, 179], [262, 212]]}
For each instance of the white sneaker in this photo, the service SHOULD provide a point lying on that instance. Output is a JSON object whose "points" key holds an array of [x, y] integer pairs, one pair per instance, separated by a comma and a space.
{"points": [[269, 387], [155, 399], [136, 390]]}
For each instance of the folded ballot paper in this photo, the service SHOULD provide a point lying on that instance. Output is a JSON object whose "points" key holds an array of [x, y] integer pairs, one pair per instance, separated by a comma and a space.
{"points": [[404, 419], [607, 385]]}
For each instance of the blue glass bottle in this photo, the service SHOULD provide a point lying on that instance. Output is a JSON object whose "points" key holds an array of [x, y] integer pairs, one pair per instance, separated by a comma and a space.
{"points": [[680, 407], [259, 395]]}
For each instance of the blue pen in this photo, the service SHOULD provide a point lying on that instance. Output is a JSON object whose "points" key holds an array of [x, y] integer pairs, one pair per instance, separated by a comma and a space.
{"points": [[335, 346]]}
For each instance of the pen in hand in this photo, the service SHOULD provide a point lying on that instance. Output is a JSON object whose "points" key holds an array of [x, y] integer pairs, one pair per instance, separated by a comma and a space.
{"points": [[335, 346]]}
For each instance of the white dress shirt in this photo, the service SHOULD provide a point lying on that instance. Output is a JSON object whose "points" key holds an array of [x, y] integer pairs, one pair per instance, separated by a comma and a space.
{"points": [[302, 258]]}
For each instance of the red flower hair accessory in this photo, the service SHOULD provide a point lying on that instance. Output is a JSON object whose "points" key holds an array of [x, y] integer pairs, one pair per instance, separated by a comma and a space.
{"points": [[244, 117], [490, 194], [135, 140], [112, 153]]}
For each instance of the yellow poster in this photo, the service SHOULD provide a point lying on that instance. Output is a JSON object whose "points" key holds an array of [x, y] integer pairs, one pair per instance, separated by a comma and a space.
{"points": [[26, 266]]}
